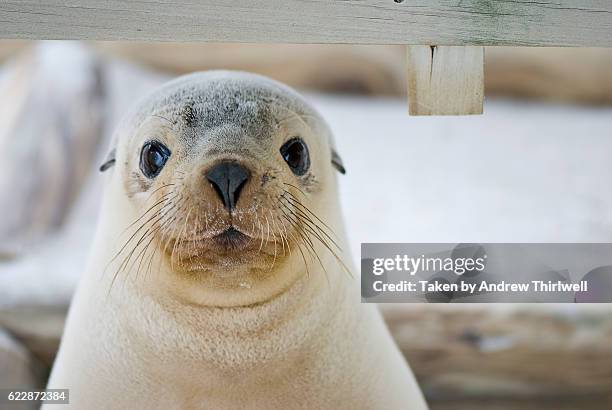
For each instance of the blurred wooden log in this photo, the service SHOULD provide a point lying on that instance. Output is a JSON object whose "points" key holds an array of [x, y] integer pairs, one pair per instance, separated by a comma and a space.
{"points": [[19, 369], [39, 328], [9, 48], [579, 75], [509, 356], [51, 114], [332, 68]]}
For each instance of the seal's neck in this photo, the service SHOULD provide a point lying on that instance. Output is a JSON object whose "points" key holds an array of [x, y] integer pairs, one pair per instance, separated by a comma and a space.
{"points": [[215, 343]]}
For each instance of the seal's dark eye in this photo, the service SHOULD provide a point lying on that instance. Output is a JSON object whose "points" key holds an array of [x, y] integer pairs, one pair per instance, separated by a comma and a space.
{"points": [[153, 157], [295, 154]]}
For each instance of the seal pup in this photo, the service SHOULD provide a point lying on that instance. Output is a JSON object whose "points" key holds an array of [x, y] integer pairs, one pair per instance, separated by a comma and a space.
{"points": [[219, 277]]}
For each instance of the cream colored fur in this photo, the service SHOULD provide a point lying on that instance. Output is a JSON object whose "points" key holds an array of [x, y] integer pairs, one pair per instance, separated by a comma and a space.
{"points": [[156, 341]]}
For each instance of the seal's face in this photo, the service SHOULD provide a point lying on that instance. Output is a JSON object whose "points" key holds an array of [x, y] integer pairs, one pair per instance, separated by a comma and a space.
{"points": [[229, 174]]}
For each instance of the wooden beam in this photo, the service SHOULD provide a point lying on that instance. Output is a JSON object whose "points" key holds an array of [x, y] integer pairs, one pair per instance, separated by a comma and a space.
{"points": [[441, 22], [445, 80]]}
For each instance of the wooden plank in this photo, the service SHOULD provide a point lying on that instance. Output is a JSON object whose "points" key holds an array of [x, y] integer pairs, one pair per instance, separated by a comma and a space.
{"points": [[441, 22], [445, 80]]}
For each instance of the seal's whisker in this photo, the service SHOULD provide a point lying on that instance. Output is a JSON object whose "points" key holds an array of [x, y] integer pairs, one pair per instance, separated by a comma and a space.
{"points": [[306, 240], [261, 236], [274, 236], [314, 225], [158, 189], [164, 203], [153, 219], [311, 249], [169, 221], [163, 199], [260, 233], [141, 256], [150, 262], [142, 226], [170, 236], [163, 224], [126, 260], [311, 244], [314, 230], [268, 232], [155, 248], [300, 204], [298, 188], [194, 232], [285, 237], [317, 230], [144, 236], [184, 237], [299, 247], [163, 118], [335, 255], [146, 226], [178, 241], [295, 115], [275, 226], [181, 239], [310, 230], [294, 222], [287, 233]]}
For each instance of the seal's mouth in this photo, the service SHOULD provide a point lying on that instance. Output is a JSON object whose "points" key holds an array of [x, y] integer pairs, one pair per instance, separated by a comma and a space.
{"points": [[231, 239], [223, 251]]}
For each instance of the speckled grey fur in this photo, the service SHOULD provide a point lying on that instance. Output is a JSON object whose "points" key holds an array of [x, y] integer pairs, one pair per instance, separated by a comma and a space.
{"points": [[200, 102]]}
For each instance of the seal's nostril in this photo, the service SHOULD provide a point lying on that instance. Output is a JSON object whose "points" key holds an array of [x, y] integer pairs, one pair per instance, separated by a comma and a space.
{"points": [[228, 178]]}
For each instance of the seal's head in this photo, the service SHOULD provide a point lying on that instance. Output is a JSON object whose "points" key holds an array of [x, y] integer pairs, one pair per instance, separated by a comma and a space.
{"points": [[228, 177]]}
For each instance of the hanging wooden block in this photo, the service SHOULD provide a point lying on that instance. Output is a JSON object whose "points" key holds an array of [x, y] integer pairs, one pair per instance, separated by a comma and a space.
{"points": [[445, 80]]}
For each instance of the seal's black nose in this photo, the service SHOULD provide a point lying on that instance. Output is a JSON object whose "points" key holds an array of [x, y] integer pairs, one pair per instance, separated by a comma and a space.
{"points": [[228, 178]]}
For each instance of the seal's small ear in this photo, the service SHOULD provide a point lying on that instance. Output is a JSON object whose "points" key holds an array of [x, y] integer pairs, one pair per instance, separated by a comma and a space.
{"points": [[109, 162], [337, 162]]}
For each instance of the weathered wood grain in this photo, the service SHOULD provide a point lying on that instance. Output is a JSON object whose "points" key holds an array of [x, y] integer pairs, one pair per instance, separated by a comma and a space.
{"points": [[507, 357], [440, 22], [445, 80]]}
